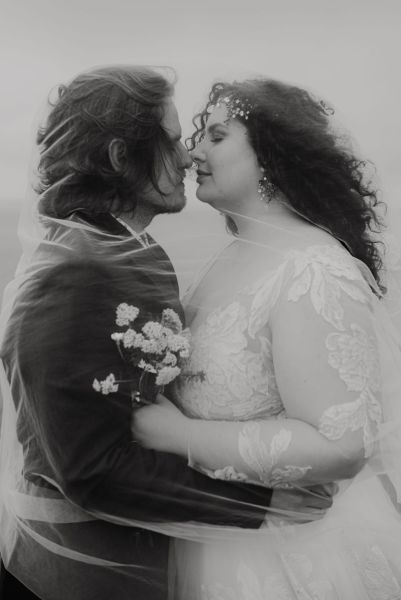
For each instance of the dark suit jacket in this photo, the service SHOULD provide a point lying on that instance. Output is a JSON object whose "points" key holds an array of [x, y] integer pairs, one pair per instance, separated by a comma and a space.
{"points": [[59, 335]]}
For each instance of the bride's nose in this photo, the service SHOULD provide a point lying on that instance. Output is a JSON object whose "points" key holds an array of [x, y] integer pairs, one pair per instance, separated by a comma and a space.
{"points": [[197, 154]]}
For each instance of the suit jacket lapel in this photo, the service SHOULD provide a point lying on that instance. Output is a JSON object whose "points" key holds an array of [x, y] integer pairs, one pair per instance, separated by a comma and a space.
{"points": [[156, 265]]}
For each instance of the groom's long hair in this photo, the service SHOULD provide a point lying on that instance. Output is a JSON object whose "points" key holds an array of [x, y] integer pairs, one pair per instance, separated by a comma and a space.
{"points": [[118, 102]]}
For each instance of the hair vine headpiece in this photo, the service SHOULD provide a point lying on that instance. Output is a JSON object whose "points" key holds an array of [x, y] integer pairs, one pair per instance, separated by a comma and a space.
{"points": [[236, 107]]}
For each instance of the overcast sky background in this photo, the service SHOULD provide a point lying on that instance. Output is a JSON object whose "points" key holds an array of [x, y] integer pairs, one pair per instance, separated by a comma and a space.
{"points": [[346, 51]]}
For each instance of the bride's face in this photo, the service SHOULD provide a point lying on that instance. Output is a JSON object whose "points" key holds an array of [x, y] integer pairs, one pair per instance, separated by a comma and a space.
{"points": [[228, 170]]}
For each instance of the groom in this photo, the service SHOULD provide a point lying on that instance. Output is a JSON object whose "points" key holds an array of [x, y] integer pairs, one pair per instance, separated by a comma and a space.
{"points": [[114, 135], [111, 160]]}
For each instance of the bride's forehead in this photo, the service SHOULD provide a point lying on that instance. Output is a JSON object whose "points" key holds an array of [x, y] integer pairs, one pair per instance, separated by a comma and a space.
{"points": [[218, 114]]}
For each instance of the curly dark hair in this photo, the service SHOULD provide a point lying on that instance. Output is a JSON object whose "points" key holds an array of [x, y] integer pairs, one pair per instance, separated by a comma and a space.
{"points": [[322, 180], [117, 102]]}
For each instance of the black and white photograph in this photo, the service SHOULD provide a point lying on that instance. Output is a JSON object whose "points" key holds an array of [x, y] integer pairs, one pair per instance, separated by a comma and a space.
{"points": [[200, 326]]}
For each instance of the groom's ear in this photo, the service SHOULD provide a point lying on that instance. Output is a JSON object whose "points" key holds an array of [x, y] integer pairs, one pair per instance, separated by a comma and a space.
{"points": [[117, 154]]}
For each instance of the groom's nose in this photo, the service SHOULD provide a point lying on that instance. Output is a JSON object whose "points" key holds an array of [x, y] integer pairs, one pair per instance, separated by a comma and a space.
{"points": [[185, 158]]}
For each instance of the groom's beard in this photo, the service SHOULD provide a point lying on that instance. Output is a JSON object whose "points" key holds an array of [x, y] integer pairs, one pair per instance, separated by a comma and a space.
{"points": [[170, 204], [176, 208]]}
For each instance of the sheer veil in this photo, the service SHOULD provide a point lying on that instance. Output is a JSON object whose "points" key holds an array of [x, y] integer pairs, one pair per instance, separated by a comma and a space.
{"points": [[50, 535], [44, 528]]}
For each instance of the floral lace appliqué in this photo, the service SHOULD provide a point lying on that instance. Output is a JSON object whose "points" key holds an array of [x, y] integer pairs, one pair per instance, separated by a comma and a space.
{"points": [[325, 272], [265, 295], [229, 474], [262, 458], [300, 571], [356, 359], [379, 579], [238, 382], [299, 582]]}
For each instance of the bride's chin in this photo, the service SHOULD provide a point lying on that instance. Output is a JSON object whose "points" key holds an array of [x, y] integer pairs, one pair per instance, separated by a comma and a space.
{"points": [[202, 197], [209, 202]]}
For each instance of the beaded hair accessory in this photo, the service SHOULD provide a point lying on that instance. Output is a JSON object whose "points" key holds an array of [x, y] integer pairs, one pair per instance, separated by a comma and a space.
{"points": [[236, 107]]}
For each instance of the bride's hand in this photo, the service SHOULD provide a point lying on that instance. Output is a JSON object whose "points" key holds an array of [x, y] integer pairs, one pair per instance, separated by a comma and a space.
{"points": [[161, 426]]}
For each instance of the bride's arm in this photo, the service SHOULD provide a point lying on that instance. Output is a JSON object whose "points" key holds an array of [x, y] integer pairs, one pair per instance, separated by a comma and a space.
{"points": [[327, 370]]}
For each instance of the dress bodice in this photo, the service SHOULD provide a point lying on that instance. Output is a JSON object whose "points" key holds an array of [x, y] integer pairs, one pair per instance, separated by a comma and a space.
{"points": [[230, 372]]}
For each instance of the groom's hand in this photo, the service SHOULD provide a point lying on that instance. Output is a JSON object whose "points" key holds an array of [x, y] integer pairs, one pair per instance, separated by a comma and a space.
{"points": [[314, 501]]}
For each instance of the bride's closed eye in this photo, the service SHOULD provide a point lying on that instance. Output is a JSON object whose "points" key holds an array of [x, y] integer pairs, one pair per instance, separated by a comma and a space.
{"points": [[217, 136], [216, 132]]}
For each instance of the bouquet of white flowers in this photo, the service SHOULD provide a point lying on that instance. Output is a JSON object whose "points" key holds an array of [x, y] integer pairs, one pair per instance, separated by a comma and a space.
{"points": [[157, 350]]}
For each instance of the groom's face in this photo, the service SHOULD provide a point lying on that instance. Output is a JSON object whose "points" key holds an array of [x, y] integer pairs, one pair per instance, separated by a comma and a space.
{"points": [[171, 168]]}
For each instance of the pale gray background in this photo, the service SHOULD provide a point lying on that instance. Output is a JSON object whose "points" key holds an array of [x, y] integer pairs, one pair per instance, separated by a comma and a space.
{"points": [[347, 51]]}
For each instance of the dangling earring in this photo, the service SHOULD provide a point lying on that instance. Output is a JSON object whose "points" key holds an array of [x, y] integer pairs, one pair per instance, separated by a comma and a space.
{"points": [[266, 189]]}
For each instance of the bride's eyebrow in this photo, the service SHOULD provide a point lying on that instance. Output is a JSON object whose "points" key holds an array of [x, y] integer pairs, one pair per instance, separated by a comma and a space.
{"points": [[211, 128]]}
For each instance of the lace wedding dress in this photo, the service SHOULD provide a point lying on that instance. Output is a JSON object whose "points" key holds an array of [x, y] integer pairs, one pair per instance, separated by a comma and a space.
{"points": [[354, 551]]}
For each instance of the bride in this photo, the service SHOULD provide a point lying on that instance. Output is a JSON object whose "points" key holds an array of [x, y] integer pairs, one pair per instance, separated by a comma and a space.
{"points": [[294, 375]]}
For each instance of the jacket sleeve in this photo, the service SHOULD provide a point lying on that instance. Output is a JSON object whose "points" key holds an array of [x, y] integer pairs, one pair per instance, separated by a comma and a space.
{"points": [[83, 439]]}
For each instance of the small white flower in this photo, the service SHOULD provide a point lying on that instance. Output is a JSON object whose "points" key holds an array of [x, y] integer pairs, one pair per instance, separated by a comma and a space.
{"points": [[107, 386], [129, 338], [171, 320], [126, 314], [117, 337], [177, 343], [96, 385], [167, 374], [167, 332], [138, 340], [170, 359], [229, 474], [154, 346], [186, 333], [146, 366], [152, 329]]}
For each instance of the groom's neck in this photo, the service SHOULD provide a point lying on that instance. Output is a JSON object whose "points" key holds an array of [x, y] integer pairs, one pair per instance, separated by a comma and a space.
{"points": [[141, 218]]}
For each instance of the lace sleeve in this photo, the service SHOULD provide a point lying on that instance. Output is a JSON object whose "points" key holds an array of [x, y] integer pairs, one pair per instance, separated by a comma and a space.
{"points": [[327, 370], [325, 350]]}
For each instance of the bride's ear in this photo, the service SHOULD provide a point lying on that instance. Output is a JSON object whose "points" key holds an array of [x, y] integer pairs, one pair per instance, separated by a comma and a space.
{"points": [[117, 154]]}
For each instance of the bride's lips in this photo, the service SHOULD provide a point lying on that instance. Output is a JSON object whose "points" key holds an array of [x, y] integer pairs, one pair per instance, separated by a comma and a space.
{"points": [[202, 175]]}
